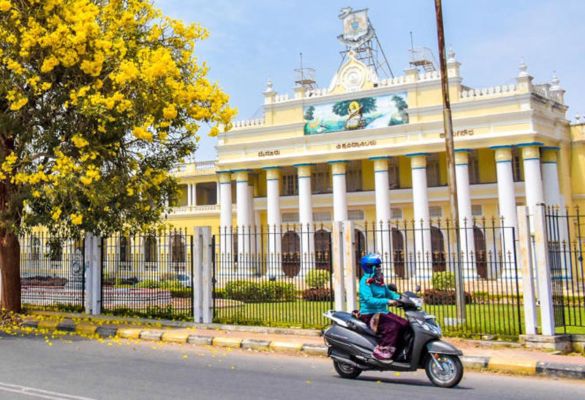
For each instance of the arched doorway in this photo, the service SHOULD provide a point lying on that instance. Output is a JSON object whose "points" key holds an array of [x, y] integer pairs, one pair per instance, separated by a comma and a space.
{"points": [[398, 253], [360, 251], [323, 249], [480, 252], [438, 249], [291, 250]]}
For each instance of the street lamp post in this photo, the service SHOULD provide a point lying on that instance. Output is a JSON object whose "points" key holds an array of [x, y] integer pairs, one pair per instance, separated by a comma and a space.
{"points": [[448, 127]]}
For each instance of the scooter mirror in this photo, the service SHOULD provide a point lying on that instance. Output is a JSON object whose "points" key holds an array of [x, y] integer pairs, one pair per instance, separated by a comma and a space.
{"points": [[392, 286], [417, 289]]}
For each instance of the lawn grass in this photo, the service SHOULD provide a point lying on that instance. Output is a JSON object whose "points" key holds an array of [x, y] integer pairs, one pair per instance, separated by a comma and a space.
{"points": [[501, 321]]}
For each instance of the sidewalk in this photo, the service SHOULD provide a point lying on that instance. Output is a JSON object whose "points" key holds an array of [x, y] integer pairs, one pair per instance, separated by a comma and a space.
{"points": [[509, 358]]}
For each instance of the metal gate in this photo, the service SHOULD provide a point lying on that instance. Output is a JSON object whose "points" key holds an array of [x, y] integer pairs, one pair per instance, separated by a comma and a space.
{"points": [[148, 275], [566, 243], [52, 272], [286, 286]]}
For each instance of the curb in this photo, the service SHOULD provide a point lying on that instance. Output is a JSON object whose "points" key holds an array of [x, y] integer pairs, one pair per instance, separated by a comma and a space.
{"points": [[479, 363]]}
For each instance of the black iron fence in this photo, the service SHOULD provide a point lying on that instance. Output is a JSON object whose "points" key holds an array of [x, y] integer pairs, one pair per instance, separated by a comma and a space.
{"points": [[427, 255], [148, 275], [52, 272], [566, 244], [273, 276]]}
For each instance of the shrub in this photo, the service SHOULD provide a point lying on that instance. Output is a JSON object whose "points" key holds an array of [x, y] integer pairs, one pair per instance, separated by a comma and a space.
{"points": [[181, 293], [219, 294], [316, 294], [43, 281], [148, 284], [171, 284], [317, 278], [444, 280], [443, 297], [255, 292]]}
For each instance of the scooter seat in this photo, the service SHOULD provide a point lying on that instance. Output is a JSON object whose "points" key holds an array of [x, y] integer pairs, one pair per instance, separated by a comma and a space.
{"points": [[353, 323], [360, 326]]}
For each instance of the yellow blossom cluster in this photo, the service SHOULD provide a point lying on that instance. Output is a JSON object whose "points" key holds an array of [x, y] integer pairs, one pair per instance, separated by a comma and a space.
{"points": [[108, 94]]}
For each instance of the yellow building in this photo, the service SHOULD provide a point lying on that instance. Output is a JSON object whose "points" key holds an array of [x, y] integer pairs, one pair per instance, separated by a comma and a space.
{"points": [[512, 141]]}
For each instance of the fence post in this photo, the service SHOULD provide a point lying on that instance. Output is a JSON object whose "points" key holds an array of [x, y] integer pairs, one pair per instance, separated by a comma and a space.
{"points": [[349, 265], [93, 274], [547, 319], [337, 259], [202, 275], [525, 259]]}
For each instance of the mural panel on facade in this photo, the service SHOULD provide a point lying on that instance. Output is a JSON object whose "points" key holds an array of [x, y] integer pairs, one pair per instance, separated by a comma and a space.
{"points": [[362, 113]]}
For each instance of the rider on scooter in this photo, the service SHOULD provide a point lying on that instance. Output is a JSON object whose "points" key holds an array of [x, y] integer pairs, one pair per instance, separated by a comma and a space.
{"points": [[375, 297]]}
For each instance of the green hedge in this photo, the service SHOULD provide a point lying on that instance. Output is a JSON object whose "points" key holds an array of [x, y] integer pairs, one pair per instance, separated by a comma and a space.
{"points": [[317, 278], [256, 292]]}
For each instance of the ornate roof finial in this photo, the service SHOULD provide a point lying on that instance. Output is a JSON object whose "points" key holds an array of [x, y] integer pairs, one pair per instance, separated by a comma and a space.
{"points": [[523, 69], [578, 117], [268, 86], [451, 55], [555, 82]]}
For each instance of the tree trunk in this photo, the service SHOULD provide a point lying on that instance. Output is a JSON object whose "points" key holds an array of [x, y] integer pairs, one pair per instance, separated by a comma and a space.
{"points": [[10, 271]]}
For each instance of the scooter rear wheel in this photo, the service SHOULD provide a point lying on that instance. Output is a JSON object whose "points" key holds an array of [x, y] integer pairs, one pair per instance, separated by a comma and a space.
{"points": [[345, 370], [444, 370]]}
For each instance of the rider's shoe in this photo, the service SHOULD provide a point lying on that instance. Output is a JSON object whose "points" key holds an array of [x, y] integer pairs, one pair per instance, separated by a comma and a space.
{"points": [[382, 354]]}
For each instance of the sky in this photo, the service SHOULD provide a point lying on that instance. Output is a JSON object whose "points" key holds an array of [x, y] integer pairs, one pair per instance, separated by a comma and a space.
{"points": [[252, 41]]}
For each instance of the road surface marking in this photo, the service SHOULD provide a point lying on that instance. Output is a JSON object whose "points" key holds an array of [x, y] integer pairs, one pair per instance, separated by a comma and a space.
{"points": [[39, 393]]}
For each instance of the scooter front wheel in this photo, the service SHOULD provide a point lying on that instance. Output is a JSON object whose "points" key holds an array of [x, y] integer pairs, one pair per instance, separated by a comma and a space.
{"points": [[444, 370], [345, 370]]}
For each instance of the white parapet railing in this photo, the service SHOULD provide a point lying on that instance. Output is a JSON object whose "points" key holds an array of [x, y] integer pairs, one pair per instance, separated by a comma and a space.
{"points": [[197, 167], [545, 91], [494, 91], [249, 123]]}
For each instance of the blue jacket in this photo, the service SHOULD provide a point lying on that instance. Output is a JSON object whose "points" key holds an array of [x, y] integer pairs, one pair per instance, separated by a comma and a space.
{"points": [[374, 298]]}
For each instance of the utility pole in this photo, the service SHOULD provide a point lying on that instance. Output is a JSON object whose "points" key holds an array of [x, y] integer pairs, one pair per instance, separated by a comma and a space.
{"points": [[450, 148]]}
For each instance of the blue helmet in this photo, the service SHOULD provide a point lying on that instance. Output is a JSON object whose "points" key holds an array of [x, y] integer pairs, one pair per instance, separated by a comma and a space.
{"points": [[369, 261]]}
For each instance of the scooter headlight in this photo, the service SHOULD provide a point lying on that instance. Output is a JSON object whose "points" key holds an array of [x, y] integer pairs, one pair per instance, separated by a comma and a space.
{"points": [[430, 324], [417, 301]]}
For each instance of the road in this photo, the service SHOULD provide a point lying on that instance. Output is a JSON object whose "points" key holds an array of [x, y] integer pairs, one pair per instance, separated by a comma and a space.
{"points": [[80, 369]]}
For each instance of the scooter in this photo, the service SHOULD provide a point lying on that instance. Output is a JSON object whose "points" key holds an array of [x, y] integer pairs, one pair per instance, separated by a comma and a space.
{"points": [[351, 342]]}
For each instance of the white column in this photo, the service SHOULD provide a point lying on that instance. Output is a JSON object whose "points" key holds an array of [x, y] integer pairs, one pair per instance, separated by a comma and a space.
{"points": [[422, 235], [532, 176], [550, 177], [253, 225], [338, 169], [193, 195], [189, 195], [467, 249], [243, 220], [382, 223], [507, 207], [553, 197], [225, 222], [274, 220], [306, 218], [218, 194]]}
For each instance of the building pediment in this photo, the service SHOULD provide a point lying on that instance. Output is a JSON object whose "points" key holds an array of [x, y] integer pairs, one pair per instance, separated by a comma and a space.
{"points": [[353, 76]]}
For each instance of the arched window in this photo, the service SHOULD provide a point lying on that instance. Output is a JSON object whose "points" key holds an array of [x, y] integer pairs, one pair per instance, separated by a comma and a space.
{"points": [[398, 253], [177, 248], [54, 249], [291, 258], [480, 252], [124, 249], [360, 251], [438, 249], [323, 249], [150, 249], [35, 248]]}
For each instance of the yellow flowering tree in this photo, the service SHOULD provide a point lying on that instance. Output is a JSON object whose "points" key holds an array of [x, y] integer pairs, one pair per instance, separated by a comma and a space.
{"points": [[99, 100]]}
